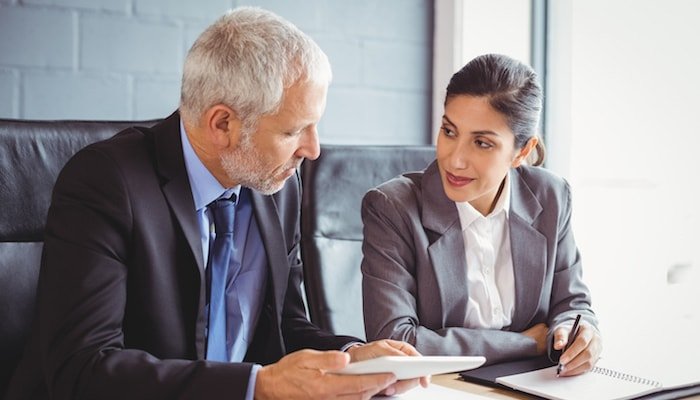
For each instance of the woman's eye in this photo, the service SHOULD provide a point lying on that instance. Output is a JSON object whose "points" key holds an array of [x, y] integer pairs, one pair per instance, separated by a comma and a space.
{"points": [[483, 145], [447, 131]]}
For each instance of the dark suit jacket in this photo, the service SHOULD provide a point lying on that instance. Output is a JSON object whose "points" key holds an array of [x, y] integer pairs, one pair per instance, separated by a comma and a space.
{"points": [[415, 277], [122, 292]]}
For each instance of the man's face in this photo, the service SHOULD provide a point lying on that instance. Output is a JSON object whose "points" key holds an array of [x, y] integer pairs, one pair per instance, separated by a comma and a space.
{"points": [[266, 157]]}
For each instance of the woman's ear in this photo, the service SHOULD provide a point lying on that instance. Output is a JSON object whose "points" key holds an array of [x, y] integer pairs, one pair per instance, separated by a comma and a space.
{"points": [[223, 127], [524, 152]]}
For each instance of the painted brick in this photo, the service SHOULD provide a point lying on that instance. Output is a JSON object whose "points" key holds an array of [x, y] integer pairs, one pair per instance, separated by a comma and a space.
{"points": [[357, 116], [192, 32], [345, 56], [413, 113], [8, 94], [307, 15], [69, 96], [404, 20], [119, 44], [155, 98], [208, 10], [121, 6], [36, 38], [396, 65]]}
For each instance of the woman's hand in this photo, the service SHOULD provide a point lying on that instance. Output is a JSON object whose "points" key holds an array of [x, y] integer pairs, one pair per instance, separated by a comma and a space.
{"points": [[583, 353]]}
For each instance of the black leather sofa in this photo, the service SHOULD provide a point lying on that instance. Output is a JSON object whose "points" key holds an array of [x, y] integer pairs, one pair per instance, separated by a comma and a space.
{"points": [[33, 152]]}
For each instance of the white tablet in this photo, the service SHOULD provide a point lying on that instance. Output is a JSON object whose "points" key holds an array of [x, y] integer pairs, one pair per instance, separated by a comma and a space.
{"points": [[412, 367]]}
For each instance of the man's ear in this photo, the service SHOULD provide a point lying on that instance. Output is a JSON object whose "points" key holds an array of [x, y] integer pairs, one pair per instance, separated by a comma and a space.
{"points": [[223, 127], [524, 152]]}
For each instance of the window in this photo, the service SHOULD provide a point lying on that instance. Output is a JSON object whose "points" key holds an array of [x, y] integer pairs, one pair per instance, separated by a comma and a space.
{"points": [[621, 126]]}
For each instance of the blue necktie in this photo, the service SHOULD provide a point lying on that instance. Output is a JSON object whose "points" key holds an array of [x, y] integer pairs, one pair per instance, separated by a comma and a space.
{"points": [[219, 259]]}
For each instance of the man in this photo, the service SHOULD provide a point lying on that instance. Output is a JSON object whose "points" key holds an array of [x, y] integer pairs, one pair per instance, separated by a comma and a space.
{"points": [[132, 301]]}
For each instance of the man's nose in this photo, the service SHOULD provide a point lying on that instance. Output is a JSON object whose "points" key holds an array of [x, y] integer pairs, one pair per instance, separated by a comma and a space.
{"points": [[309, 147]]}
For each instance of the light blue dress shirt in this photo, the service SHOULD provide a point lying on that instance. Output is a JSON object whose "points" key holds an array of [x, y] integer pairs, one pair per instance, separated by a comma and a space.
{"points": [[245, 285]]}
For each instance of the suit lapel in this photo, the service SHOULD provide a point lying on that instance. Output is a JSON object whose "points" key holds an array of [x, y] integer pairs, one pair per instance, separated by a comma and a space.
{"points": [[176, 188], [446, 251], [176, 185], [268, 222], [529, 250]]}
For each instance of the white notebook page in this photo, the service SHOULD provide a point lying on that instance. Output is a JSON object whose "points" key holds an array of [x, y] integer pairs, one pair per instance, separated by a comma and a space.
{"points": [[599, 384]]}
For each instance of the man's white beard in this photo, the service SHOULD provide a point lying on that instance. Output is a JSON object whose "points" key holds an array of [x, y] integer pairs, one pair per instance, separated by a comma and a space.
{"points": [[246, 165]]}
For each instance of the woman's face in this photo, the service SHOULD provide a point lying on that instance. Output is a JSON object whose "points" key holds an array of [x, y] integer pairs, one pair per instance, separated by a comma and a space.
{"points": [[475, 150]]}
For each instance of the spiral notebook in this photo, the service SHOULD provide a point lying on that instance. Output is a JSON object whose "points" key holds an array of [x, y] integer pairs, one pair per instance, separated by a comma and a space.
{"points": [[601, 384]]}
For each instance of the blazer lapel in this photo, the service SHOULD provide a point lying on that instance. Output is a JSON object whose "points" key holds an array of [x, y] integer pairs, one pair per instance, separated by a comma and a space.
{"points": [[273, 242], [176, 188], [446, 251], [529, 250]]}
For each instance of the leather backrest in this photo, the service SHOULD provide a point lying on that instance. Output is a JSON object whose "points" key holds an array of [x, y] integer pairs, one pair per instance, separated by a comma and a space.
{"points": [[334, 185], [32, 154]]}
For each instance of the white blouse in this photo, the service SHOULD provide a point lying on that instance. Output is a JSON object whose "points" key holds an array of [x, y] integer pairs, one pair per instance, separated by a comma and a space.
{"points": [[490, 279]]}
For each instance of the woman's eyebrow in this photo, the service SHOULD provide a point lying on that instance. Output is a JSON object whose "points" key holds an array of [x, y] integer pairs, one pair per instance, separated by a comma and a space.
{"points": [[445, 118]]}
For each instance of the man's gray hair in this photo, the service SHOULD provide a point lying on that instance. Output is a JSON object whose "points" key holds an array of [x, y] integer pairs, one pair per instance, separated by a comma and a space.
{"points": [[246, 60]]}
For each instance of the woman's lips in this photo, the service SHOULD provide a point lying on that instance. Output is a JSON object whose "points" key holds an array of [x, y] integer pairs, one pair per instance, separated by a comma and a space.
{"points": [[457, 180]]}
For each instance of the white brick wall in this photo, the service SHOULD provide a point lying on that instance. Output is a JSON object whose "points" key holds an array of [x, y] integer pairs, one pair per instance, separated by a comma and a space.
{"points": [[121, 6], [122, 59], [388, 62], [207, 10], [52, 95], [36, 38], [155, 97], [117, 43]]}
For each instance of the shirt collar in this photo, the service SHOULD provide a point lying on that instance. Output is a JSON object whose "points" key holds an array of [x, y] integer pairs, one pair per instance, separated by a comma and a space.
{"points": [[469, 214], [205, 188]]}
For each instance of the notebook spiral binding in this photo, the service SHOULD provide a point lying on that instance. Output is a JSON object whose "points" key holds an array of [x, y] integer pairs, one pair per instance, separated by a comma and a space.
{"points": [[626, 377]]}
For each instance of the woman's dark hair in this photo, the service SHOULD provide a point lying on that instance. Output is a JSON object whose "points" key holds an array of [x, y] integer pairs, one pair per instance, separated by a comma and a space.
{"points": [[511, 88]]}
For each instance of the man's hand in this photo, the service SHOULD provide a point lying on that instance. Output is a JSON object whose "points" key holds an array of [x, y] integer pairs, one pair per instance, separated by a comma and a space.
{"points": [[302, 375], [584, 351], [539, 334], [388, 347]]}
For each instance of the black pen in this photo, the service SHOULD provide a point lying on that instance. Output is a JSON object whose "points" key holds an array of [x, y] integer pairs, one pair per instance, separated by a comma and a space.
{"points": [[570, 340]]}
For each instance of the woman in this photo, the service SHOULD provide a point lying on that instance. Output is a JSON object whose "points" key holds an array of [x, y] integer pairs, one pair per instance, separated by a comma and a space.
{"points": [[475, 254]]}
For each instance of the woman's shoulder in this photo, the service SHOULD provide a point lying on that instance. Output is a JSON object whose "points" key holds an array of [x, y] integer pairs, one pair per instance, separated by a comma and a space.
{"points": [[543, 182], [407, 185], [405, 190]]}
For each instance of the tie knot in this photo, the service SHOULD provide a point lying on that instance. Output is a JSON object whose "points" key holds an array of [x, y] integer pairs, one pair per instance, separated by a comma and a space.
{"points": [[223, 209]]}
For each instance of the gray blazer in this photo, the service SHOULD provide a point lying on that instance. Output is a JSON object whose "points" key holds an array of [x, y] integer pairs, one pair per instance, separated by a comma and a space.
{"points": [[414, 268]]}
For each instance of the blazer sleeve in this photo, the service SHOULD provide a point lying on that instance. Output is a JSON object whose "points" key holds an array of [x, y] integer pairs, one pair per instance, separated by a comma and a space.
{"points": [[393, 276], [570, 295], [82, 297]]}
